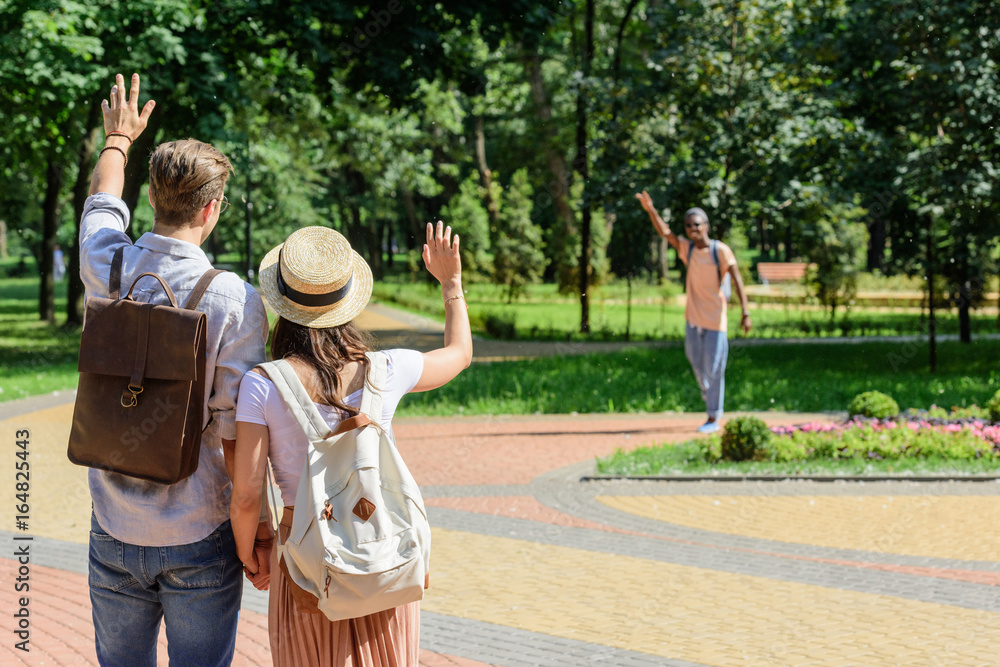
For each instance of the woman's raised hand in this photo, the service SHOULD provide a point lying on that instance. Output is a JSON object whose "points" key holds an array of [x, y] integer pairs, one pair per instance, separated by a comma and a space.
{"points": [[441, 254], [121, 113]]}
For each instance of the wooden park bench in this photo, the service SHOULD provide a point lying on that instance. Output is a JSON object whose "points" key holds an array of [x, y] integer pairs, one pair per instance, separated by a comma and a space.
{"points": [[781, 272]]}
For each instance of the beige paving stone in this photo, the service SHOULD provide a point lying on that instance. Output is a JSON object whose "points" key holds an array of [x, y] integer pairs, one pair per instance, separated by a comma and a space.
{"points": [[957, 527], [688, 613]]}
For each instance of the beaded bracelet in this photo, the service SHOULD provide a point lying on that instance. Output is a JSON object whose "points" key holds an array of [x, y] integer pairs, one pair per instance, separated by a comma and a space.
{"points": [[453, 298], [114, 148], [116, 133]]}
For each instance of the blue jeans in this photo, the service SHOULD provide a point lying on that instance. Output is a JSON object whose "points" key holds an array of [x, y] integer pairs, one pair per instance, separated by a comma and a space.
{"points": [[195, 588], [707, 351]]}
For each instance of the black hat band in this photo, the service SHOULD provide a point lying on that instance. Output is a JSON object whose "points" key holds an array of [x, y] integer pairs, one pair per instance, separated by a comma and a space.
{"points": [[311, 300]]}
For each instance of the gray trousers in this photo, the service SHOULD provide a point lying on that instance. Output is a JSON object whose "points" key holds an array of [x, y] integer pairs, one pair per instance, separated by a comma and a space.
{"points": [[708, 351]]}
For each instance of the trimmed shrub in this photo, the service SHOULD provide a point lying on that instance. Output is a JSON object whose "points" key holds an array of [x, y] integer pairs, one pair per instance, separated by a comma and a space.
{"points": [[993, 405], [500, 326], [745, 439], [873, 404]]}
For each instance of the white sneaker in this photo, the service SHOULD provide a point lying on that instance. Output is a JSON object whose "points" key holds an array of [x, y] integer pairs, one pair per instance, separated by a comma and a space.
{"points": [[708, 427]]}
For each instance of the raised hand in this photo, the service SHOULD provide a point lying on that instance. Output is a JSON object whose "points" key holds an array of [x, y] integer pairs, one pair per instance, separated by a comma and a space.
{"points": [[646, 201], [441, 255], [121, 113]]}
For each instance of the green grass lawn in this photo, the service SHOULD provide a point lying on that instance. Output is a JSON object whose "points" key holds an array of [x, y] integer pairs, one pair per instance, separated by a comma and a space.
{"points": [[543, 314], [803, 378], [35, 357]]}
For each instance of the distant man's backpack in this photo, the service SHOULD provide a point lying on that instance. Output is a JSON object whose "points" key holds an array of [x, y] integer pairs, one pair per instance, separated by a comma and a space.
{"points": [[725, 284], [359, 541], [141, 394]]}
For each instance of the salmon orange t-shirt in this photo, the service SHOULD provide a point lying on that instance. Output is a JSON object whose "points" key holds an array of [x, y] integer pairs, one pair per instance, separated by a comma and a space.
{"points": [[706, 304]]}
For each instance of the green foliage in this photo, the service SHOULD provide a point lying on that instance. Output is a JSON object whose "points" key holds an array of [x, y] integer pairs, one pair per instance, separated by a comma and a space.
{"points": [[873, 404], [745, 439], [859, 450], [993, 406], [469, 219], [518, 259], [503, 327], [834, 242]]}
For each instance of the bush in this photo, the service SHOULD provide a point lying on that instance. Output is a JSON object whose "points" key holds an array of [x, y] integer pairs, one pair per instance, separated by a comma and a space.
{"points": [[873, 404], [500, 326], [745, 439], [993, 405]]}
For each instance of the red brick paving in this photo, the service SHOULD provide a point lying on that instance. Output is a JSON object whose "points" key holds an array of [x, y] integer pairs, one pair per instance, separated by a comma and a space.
{"points": [[519, 507], [504, 450], [62, 628]]}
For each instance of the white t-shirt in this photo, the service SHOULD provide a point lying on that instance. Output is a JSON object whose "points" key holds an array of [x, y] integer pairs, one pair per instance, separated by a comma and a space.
{"points": [[260, 403]]}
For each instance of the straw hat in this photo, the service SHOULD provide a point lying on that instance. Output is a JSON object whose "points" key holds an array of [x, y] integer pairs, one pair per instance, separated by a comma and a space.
{"points": [[315, 279]]}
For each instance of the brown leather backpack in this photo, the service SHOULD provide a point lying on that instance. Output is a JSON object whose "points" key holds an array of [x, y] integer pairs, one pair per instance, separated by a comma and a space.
{"points": [[141, 395]]}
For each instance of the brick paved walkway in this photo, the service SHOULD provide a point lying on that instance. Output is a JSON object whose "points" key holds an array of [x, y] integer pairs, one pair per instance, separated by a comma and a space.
{"points": [[531, 566]]}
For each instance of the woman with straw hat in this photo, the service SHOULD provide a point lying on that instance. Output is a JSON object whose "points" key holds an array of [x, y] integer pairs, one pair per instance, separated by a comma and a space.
{"points": [[318, 285]]}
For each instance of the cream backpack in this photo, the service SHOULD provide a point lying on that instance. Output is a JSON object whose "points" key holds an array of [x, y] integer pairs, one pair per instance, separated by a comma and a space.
{"points": [[359, 541]]}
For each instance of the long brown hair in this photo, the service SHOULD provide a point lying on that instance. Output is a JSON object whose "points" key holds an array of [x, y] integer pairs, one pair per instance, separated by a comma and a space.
{"points": [[326, 350]]}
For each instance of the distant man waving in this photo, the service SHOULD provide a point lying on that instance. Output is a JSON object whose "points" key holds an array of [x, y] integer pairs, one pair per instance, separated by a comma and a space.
{"points": [[709, 264]]}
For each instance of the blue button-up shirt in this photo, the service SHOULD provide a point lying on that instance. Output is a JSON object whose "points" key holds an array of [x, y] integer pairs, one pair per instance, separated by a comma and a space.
{"points": [[147, 513]]}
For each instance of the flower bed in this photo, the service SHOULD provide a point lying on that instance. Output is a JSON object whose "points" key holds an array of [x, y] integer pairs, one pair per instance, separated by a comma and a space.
{"points": [[916, 442], [880, 439]]}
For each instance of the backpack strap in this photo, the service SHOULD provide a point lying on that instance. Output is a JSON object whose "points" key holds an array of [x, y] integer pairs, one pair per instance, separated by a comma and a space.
{"points": [[200, 287], [714, 247], [371, 394], [297, 399], [115, 279]]}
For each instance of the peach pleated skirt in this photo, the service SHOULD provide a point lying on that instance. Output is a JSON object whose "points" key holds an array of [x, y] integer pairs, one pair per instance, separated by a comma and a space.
{"points": [[387, 639]]}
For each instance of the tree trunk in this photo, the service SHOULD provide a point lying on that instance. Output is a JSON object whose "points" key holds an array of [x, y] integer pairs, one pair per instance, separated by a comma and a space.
{"points": [[582, 167], [85, 157], [3, 240], [876, 243], [375, 260], [417, 231], [931, 318], [387, 243], [50, 225], [137, 171], [559, 187], [355, 230], [486, 180], [964, 301]]}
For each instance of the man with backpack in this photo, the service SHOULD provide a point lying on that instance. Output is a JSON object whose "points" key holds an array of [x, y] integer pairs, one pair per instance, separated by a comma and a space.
{"points": [[711, 266], [167, 550]]}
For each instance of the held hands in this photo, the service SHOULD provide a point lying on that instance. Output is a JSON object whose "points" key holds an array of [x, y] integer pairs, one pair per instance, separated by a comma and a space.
{"points": [[121, 114], [258, 570], [441, 255]]}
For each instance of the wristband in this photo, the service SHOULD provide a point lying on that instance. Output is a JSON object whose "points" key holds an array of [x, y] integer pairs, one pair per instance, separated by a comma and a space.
{"points": [[114, 148], [116, 133]]}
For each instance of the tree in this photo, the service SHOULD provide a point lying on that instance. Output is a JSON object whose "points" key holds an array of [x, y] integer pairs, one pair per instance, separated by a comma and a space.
{"points": [[519, 259]]}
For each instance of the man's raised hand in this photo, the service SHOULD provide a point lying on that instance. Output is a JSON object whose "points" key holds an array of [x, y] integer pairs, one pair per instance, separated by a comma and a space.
{"points": [[646, 201], [121, 113]]}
